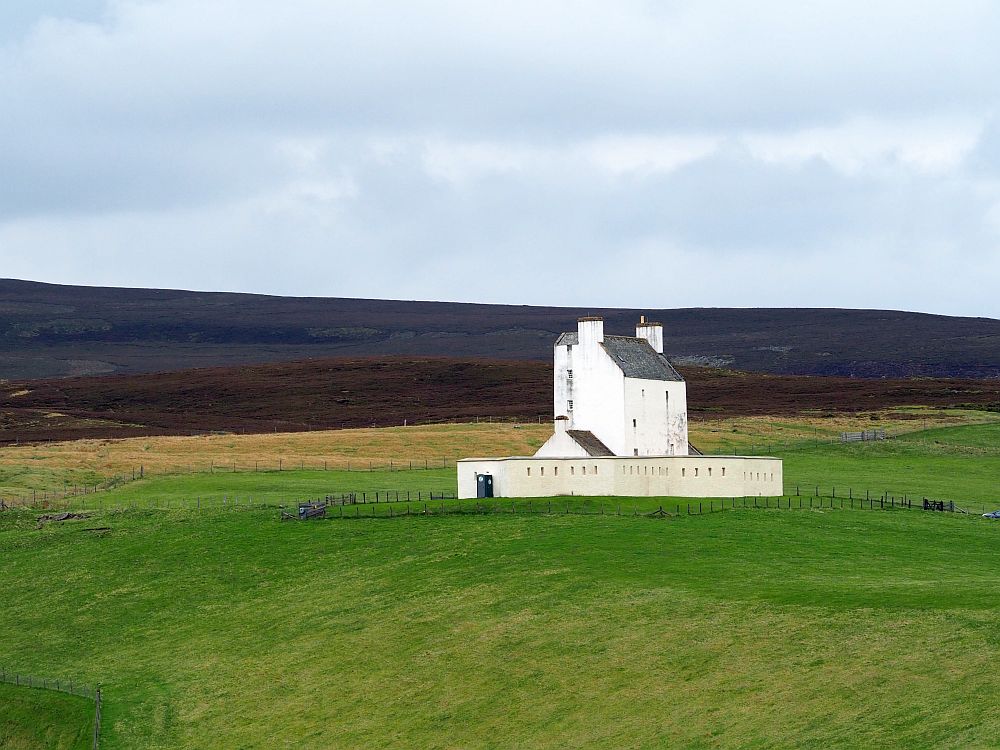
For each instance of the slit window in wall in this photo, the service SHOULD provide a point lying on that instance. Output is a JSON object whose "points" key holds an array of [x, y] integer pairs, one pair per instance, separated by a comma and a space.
{"points": [[710, 471], [569, 405], [696, 472], [595, 469], [529, 471], [644, 393], [633, 423], [584, 470], [569, 374], [572, 470], [683, 472], [635, 451], [555, 471], [723, 471]]}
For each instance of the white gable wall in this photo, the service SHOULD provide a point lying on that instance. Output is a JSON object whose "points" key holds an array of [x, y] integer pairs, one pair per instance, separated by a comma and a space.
{"points": [[598, 396], [655, 424], [561, 444]]}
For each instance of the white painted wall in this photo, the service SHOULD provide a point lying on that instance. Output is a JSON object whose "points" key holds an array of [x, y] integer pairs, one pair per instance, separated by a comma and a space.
{"points": [[676, 476], [596, 387], [561, 444], [605, 402], [655, 418]]}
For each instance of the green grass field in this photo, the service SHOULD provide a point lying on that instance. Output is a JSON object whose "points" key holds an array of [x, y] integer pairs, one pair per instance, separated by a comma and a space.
{"points": [[743, 628], [955, 463], [34, 719], [224, 627]]}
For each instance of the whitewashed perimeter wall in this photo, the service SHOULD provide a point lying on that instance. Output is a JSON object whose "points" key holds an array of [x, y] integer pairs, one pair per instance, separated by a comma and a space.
{"points": [[623, 476]]}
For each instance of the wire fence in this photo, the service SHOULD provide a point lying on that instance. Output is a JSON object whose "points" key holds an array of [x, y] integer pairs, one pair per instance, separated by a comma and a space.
{"points": [[800, 496], [56, 498], [71, 687], [562, 506]]}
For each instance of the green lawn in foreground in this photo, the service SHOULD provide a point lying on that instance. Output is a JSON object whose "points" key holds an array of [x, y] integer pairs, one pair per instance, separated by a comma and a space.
{"points": [[738, 629], [34, 719]]}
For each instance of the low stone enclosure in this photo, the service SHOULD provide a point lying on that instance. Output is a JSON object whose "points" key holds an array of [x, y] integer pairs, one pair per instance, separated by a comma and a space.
{"points": [[621, 476]]}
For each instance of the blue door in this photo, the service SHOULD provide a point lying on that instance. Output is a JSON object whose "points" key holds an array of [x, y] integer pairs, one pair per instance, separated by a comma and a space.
{"points": [[484, 485]]}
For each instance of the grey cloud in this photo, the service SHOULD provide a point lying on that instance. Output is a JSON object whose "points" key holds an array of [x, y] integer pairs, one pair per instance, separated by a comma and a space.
{"points": [[283, 147]]}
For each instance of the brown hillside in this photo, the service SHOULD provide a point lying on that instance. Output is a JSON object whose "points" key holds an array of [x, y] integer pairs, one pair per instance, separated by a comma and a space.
{"points": [[362, 392]]}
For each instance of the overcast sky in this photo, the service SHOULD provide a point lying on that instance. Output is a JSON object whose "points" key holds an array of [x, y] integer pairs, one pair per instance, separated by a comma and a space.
{"points": [[626, 153]]}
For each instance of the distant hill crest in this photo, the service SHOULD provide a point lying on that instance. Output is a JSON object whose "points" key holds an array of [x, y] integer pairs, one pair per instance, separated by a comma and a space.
{"points": [[50, 330]]}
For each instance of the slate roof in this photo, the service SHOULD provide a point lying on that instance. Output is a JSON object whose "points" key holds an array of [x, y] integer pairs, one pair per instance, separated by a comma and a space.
{"points": [[634, 356], [637, 359], [589, 442]]}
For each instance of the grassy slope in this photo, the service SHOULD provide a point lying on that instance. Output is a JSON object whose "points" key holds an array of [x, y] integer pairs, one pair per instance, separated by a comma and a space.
{"points": [[32, 719], [26, 470], [745, 628], [956, 463]]}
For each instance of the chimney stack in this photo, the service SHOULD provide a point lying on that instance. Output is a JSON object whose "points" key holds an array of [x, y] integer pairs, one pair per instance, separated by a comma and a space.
{"points": [[590, 331], [652, 332]]}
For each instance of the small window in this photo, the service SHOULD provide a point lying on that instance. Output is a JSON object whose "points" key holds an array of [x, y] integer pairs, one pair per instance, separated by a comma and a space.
{"points": [[683, 472], [645, 470], [772, 476], [555, 471], [710, 471], [541, 471], [595, 469], [529, 471], [569, 406], [584, 470], [569, 374], [696, 472], [644, 393], [631, 469], [635, 451], [633, 424], [723, 471], [572, 470]]}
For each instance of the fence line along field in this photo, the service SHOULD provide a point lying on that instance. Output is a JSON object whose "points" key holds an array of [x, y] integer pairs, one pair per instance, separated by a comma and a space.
{"points": [[74, 465]]}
